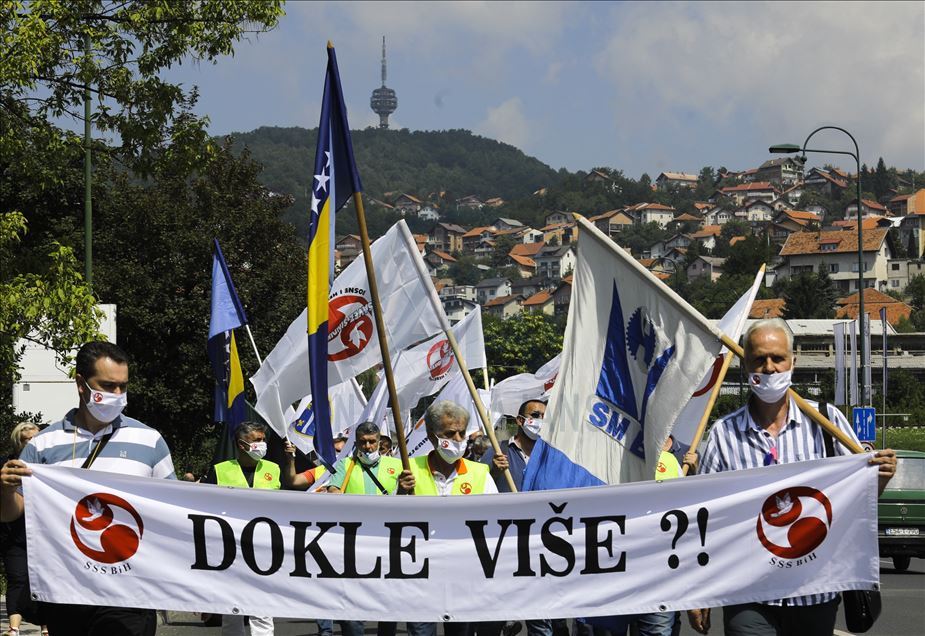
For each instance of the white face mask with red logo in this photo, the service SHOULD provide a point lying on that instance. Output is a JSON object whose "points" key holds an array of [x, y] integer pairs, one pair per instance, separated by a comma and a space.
{"points": [[451, 451], [770, 387], [532, 427], [105, 407]]}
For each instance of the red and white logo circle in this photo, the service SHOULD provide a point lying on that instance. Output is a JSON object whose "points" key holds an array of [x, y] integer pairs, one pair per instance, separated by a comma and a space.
{"points": [[350, 324], [794, 521], [444, 444], [756, 379], [465, 488], [106, 528], [97, 397], [439, 359]]}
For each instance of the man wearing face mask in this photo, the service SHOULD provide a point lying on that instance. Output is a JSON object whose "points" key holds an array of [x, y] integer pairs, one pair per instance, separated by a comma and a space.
{"points": [[516, 451], [445, 472], [96, 436], [369, 472], [249, 469], [770, 429]]}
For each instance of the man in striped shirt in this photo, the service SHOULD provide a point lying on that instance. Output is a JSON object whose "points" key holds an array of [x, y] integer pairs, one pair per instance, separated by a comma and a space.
{"points": [[770, 429], [94, 435]]}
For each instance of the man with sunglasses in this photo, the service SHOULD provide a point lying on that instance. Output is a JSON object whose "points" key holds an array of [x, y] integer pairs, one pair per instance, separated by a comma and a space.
{"points": [[515, 452]]}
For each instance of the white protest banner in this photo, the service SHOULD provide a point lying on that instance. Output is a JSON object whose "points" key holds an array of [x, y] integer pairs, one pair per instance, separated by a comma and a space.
{"points": [[508, 394], [353, 344], [704, 541], [732, 323], [634, 351], [347, 403]]}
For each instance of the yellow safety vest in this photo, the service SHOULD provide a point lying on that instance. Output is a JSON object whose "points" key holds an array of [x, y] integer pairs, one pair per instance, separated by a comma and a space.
{"points": [[470, 477], [667, 467], [266, 475], [386, 472]]}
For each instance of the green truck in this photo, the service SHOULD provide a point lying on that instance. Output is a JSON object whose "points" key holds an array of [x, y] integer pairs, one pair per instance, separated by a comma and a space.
{"points": [[901, 511]]}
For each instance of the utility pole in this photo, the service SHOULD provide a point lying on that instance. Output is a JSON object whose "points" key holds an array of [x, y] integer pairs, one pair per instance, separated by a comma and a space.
{"points": [[88, 175]]}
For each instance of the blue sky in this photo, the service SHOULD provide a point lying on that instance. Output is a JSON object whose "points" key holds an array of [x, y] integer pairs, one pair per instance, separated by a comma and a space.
{"points": [[641, 87]]}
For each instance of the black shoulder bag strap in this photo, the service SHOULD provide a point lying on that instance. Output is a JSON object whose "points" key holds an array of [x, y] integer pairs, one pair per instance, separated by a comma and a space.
{"points": [[827, 438], [97, 449], [373, 477]]}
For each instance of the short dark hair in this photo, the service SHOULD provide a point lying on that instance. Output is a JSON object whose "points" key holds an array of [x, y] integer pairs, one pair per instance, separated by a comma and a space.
{"points": [[246, 428], [522, 411], [93, 351], [366, 428]]}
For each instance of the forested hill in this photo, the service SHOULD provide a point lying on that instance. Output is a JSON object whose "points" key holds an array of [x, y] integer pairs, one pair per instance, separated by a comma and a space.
{"points": [[416, 162]]}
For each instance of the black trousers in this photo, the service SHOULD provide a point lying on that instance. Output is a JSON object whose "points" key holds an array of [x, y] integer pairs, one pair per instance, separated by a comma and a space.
{"points": [[93, 620]]}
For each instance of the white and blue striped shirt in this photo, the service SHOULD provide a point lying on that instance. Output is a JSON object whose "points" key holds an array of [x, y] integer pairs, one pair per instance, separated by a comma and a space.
{"points": [[133, 449], [736, 442]]}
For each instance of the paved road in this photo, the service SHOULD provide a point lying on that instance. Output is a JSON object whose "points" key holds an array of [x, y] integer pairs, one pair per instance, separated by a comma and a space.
{"points": [[903, 612]]}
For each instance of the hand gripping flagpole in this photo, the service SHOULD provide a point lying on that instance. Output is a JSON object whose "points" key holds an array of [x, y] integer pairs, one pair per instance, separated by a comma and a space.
{"points": [[718, 383], [454, 345], [683, 306]]}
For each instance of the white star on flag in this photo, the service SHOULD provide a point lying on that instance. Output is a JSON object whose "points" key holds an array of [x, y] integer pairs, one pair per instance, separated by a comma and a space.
{"points": [[322, 180]]}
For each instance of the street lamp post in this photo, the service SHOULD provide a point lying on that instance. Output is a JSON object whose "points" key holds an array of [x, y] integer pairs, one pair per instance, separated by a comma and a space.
{"points": [[792, 148]]}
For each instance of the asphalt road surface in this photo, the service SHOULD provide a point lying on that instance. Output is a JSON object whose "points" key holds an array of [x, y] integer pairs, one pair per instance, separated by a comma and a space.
{"points": [[903, 612]]}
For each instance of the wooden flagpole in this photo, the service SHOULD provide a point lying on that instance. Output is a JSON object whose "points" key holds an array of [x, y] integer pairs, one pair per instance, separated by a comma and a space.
{"points": [[380, 330], [483, 414], [702, 425]]}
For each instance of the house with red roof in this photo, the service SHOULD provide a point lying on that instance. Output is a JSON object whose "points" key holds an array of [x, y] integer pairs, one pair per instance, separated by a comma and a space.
{"points": [[837, 253]]}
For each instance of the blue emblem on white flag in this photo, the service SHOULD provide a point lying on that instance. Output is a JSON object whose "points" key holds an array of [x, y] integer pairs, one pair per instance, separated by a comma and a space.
{"points": [[634, 353]]}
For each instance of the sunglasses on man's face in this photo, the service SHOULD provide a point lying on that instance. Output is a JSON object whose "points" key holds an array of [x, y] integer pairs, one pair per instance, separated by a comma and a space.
{"points": [[535, 414]]}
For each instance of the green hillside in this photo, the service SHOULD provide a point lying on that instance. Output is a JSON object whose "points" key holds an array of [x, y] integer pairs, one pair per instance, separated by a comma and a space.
{"points": [[420, 163]]}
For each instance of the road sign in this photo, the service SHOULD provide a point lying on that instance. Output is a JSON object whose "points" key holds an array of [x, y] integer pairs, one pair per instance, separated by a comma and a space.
{"points": [[864, 423]]}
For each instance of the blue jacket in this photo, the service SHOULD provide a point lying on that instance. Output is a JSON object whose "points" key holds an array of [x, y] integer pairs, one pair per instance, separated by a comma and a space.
{"points": [[517, 466]]}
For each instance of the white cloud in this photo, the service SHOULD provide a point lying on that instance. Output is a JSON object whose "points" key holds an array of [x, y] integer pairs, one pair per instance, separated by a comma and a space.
{"points": [[780, 69], [507, 122]]}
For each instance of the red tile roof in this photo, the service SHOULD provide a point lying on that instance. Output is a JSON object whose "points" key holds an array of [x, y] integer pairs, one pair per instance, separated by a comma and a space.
{"points": [[749, 187], [873, 302], [769, 308], [502, 300], [524, 261], [811, 242], [539, 298], [527, 249]]}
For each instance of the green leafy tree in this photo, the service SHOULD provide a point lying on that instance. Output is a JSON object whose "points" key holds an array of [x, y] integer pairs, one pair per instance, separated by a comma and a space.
{"points": [[157, 267], [465, 271], [53, 307], [882, 180], [52, 50], [520, 344], [915, 291], [809, 295]]}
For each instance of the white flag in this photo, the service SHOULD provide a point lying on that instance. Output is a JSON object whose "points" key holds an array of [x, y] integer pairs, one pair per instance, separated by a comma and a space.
{"points": [[508, 394], [347, 402], [853, 355], [423, 369], [411, 312], [634, 350], [732, 325], [839, 331]]}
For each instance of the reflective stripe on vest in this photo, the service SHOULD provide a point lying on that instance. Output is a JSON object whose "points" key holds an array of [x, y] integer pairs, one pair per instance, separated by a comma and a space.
{"points": [[386, 472], [470, 481], [266, 475]]}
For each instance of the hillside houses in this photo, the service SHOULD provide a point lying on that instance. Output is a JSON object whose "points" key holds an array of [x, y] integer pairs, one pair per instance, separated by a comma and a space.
{"points": [[836, 252]]}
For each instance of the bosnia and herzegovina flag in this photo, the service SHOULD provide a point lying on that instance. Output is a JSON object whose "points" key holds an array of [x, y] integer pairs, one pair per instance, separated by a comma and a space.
{"points": [[335, 180], [226, 316]]}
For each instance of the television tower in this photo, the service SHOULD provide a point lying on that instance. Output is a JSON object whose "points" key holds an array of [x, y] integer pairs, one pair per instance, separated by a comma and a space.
{"points": [[383, 100]]}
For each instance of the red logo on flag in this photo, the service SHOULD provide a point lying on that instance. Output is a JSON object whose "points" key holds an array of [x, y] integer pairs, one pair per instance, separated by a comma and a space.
{"points": [[110, 522], [439, 359], [465, 488], [800, 514], [350, 324]]}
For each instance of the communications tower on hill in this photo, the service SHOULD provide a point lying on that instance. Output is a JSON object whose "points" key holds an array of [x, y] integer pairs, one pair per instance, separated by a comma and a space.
{"points": [[383, 101]]}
